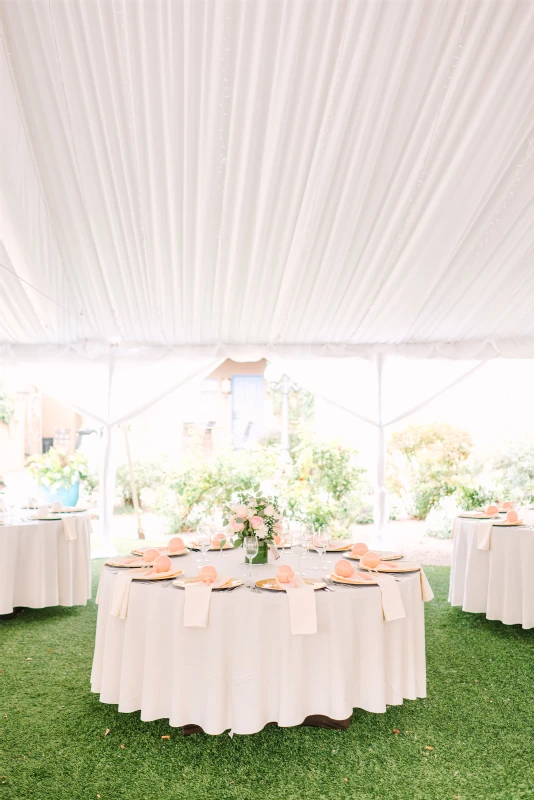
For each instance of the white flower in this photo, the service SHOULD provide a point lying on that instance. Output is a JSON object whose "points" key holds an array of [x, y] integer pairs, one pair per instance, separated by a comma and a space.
{"points": [[269, 510], [251, 512], [261, 532], [276, 515], [242, 511]]}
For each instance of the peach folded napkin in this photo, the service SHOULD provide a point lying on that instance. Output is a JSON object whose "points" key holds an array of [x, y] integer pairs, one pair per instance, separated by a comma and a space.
{"points": [[484, 534], [197, 601], [69, 528], [121, 595], [426, 590], [302, 609], [392, 605]]}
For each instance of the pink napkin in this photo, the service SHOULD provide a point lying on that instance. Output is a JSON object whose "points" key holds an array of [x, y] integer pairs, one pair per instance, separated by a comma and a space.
{"points": [[69, 528], [302, 609], [121, 595], [484, 534], [197, 602]]}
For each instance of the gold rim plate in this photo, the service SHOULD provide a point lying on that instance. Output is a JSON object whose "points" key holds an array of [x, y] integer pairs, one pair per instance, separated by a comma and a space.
{"points": [[165, 553], [354, 580], [233, 583], [385, 555], [402, 566], [504, 524], [159, 576], [271, 584]]}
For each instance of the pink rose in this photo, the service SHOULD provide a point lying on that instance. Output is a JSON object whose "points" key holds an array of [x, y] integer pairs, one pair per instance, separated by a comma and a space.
{"points": [[278, 528], [256, 522], [236, 526]]}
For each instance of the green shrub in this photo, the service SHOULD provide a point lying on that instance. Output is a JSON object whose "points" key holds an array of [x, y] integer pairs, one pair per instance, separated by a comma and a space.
{"points": [[426, 463], [514, 469], [469, 498]]}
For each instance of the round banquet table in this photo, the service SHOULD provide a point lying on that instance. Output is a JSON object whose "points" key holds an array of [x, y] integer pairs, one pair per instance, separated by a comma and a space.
{"points": [[39, 567], [246, 669], [498, 581]]}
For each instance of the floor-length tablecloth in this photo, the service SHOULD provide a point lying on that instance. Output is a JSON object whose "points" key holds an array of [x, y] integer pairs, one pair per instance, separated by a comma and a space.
{"points": [[247, 669], [496, 582], [39, 567]]}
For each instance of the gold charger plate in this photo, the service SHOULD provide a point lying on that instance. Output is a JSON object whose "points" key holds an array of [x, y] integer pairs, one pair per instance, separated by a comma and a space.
{"points": [[125, 566], [163, 552], [229, 585], [385, 555], [51, 518], [478, 516], [272, 585], [358, 579], [501, 523], [401, 566], [158, 576], [195, 546], [333, 549]]}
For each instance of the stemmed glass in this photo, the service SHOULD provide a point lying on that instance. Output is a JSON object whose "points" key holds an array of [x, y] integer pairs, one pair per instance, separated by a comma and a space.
{"points": [[222, 542], [307, 532], [320, 542], [300, 546], [251, 546], [204, 542]]}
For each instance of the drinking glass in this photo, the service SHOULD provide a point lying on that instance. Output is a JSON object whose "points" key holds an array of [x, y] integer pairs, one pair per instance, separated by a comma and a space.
{"points": [[251, 546], [320, 542], [222, 542], [204, 542], [307, 532], [300, 546]]}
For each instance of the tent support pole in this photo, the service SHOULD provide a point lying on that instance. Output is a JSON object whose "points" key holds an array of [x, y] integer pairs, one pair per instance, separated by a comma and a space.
{"points": [[133, 487], [381, 497]]}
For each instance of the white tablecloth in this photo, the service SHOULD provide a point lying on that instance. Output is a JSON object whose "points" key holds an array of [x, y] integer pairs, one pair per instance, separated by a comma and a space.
{"points": [[39, 567], [496, 582], [247, 669]]}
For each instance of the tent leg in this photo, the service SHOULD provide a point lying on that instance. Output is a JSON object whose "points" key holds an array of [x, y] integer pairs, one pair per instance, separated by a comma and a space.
{"points": [[107, 491], [380, 514], [133, 487]]}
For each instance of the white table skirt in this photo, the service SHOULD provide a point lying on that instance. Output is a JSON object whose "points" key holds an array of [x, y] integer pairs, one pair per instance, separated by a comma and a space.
{"points": [[247, 669], [39, 567], [495, 582]]}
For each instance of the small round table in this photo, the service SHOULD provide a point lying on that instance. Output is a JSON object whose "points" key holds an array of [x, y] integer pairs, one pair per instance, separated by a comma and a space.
{"points": [[246, 669], [40, 566], [497, 581]]}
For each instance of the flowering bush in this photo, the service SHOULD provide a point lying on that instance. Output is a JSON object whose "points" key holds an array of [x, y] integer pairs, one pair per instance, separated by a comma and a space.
{"points": [[252, 514], [57, 470]]}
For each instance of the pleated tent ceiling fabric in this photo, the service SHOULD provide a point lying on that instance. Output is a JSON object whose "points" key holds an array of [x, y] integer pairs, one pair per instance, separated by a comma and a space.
{"points": [[226, 177]]}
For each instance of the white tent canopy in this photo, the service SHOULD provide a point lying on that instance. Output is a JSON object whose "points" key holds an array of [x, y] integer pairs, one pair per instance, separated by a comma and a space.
{"points": [[219, 173], [222, 178]]}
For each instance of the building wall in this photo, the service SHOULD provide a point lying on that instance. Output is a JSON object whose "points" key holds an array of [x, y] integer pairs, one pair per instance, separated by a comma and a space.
{"points": [[55, 415]]}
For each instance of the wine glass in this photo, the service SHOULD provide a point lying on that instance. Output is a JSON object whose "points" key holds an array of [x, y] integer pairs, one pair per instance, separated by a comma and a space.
{"points": [[222, 541], [300, 546], [307, 534], [320, 542], [251, 546], [204, 542]]}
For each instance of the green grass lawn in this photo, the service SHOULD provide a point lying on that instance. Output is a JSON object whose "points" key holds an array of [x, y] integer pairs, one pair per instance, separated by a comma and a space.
{"points": [[472, 738]]}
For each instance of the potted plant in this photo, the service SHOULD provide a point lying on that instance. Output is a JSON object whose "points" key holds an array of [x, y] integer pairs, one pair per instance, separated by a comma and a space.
{"points": [[252, 514], [58, 475]]}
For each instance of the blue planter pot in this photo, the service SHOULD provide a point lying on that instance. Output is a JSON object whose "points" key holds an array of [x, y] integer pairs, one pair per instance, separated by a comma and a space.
{"points": [[66, 495]]}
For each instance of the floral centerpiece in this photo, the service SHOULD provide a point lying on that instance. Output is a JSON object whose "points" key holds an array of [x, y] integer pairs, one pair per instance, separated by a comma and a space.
{"points": [[59, 474], [253, 514]]}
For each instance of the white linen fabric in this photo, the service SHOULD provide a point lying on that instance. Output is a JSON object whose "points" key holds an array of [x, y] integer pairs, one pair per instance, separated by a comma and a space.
{"points": [[310, 174], [247, 669], [121, 595], [495, 582], [39, 567]]}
